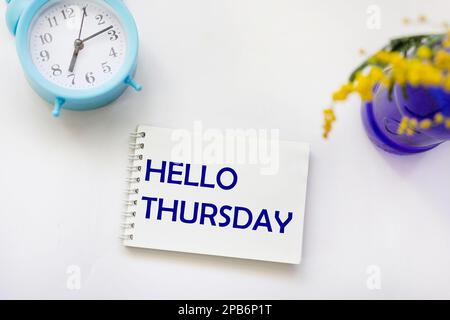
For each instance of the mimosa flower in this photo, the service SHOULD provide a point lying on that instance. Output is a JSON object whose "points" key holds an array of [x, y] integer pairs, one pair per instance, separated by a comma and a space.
{"points": [[343, 92], [424, 52], [415, 61], [423, 18], [442, 60], [403, 125], [406, 21], [376, 74], [364, 87], [438, 118], [426, 124], [330, 118]]}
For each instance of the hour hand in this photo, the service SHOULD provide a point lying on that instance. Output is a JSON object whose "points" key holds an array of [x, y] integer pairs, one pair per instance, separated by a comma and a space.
{"points": [[78, 46]]}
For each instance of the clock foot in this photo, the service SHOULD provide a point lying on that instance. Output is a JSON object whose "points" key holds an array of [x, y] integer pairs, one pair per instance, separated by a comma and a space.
{"points": [[58, 106], [129, 81]]}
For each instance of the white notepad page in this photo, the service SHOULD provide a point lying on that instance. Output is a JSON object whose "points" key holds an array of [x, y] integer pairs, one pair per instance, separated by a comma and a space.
{"points": [[238, 208]]}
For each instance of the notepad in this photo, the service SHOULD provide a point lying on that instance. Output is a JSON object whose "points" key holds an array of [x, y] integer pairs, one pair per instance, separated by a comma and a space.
{"points": [[238, 194]]}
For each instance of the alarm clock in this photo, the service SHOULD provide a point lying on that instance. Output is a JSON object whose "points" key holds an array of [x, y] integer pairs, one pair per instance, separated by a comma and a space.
{"points": [[76, 54]]}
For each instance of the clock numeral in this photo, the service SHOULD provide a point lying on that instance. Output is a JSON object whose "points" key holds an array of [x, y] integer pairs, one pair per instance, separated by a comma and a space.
{"points": [[72, 75], [68, 13], [52, 22], [113, 53], [56, 68], [45, 55], [113, 35], [90, 77], [46, 38], [106, 67], [100, 20]]}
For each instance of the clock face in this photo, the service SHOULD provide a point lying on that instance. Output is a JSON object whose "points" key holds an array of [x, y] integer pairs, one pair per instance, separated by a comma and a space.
{"points": [[76, 44]]}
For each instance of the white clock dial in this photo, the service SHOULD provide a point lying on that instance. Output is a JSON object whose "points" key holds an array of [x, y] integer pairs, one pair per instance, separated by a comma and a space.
{"points": [[77, 44]]}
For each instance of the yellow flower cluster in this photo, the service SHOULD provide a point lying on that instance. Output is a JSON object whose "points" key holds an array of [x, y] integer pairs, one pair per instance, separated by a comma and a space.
{"points": [[362, 85], [422, 69], [428, 67], [414, 71], [330, 118], [408, 125], [442, 60]]}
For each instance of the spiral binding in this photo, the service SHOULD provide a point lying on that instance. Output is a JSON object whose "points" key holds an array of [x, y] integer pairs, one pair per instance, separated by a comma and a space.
{"points": [[132, 191]]}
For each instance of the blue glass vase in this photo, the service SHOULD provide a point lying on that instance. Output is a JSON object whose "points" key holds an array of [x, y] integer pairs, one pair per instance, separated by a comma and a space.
{"points": [[383, 115]]}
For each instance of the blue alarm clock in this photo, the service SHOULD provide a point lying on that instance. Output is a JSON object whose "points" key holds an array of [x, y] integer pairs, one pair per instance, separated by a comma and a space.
{"points": [[76, 54]]}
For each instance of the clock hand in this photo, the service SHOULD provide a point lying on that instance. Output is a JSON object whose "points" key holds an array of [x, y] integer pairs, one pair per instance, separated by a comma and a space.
{"points": [[82, 22], [97, 33], [78, 45]]}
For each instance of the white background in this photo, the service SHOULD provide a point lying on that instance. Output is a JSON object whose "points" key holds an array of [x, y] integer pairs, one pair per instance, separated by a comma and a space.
{"points": [[232, 64]]}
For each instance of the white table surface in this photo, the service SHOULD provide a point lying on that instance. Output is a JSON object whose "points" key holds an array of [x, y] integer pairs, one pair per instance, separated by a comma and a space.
{"points": [[231, 64]]}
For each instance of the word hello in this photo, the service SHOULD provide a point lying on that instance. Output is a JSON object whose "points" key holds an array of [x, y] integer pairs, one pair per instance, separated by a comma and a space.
{"points": [[180, 174]]}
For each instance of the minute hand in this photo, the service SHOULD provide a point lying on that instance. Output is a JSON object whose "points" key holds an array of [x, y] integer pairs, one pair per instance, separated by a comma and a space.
{"points": [[98, 33]]}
